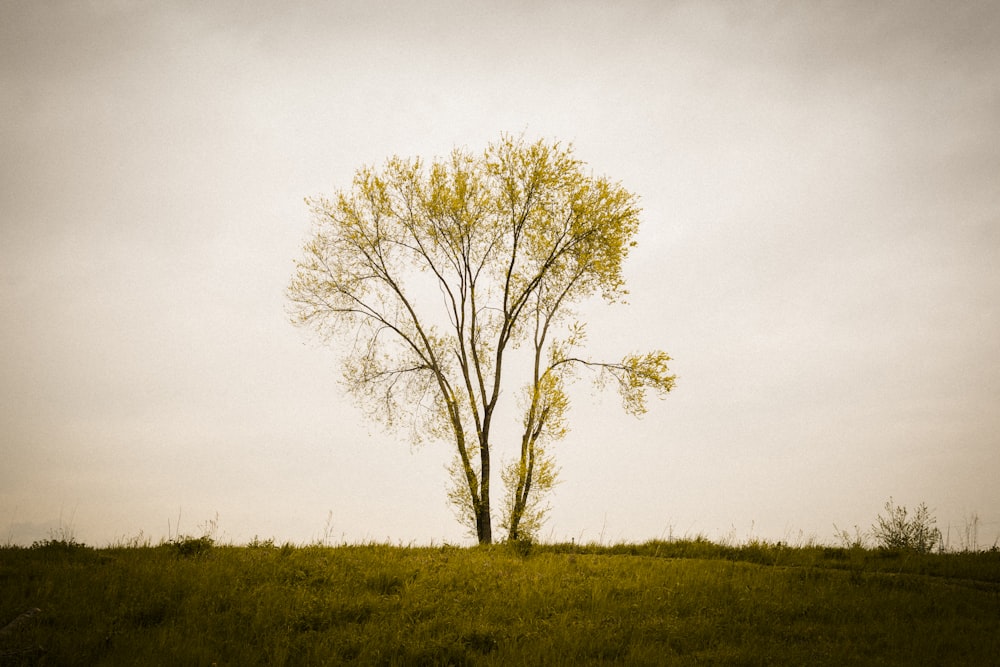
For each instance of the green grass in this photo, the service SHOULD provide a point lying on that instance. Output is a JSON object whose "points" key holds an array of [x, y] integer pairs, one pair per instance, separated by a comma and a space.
{"points": [[678, 602]]}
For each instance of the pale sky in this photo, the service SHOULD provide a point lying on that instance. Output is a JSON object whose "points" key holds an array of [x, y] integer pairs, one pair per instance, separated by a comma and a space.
{"points": [[820, 253]]}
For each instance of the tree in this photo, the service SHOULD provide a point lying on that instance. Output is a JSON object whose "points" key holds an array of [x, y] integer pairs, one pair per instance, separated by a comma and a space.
{"points": [[431, 274]]}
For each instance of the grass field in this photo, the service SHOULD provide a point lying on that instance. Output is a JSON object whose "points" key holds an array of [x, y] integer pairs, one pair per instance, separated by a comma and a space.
{"points": [[682, 602]]}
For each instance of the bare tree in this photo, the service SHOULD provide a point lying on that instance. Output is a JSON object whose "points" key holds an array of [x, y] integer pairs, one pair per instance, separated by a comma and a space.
{"points": [[431, 274]]}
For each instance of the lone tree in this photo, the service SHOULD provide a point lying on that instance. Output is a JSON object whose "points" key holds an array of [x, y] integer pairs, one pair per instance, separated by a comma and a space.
{"points": [[431, 274]]}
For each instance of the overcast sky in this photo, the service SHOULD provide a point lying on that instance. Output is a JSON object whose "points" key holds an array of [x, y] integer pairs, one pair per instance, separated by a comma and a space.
{"points": [[820, 253]]}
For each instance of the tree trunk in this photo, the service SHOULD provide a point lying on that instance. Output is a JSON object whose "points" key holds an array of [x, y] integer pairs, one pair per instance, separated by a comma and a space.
{"points": [[484, 524], [484, 529]]}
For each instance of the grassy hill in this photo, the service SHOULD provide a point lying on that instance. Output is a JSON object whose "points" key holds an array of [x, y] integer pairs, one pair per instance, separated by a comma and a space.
{"points": [[191, 602]]}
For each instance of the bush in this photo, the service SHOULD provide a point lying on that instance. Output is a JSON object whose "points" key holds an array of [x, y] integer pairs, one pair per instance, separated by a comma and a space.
{"points": [[899, 530], [59, 545], [191, 547]]}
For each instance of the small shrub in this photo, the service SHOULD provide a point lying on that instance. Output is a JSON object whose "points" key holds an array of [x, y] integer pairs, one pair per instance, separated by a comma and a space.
{"points": [[521, 546], [59, 545], [190, 547], [898, 530], [257, 543]]}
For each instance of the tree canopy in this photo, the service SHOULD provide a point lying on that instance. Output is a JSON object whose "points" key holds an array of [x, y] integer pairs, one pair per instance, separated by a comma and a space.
{"points": [[429, 275]]}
